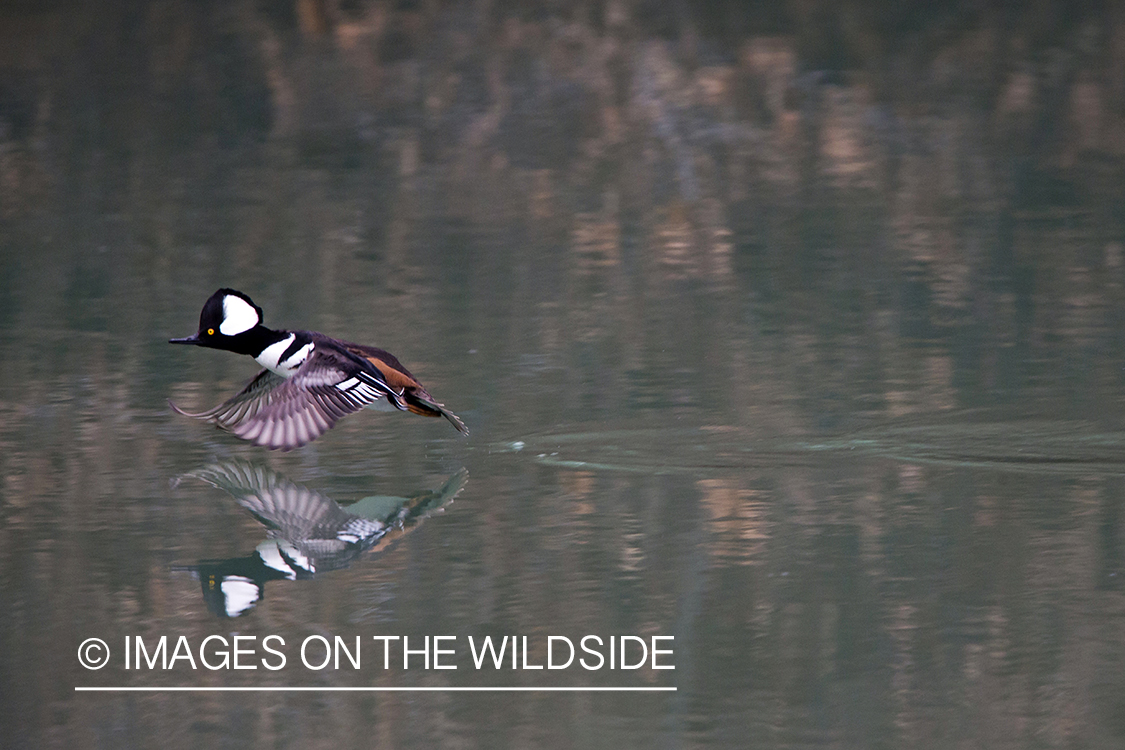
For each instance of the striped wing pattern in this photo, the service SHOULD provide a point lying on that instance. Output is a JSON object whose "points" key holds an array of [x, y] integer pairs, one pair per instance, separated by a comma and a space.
{"points": [[315, 532], [286, 413]]}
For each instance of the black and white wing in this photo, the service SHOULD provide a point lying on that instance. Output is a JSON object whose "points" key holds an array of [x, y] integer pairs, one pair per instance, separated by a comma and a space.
{"points": [[316, 534], [286, 413], [280, 504]]}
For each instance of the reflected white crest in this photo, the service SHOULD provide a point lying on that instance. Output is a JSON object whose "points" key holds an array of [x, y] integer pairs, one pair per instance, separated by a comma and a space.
{"points": [[239, 594], [238, 316]]}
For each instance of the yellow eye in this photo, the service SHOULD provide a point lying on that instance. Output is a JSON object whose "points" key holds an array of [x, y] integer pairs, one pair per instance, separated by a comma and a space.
{"points": [[210, 331]]}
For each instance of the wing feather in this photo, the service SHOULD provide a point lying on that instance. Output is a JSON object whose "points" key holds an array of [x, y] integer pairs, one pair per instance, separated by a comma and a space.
{"points": [[286, 413]]}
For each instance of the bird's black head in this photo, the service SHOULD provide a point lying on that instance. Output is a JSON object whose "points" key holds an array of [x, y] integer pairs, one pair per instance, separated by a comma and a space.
{"points": [[229, 321]]}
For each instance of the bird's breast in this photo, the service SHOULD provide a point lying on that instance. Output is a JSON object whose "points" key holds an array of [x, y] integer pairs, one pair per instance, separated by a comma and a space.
{"points": [[285, 356]]}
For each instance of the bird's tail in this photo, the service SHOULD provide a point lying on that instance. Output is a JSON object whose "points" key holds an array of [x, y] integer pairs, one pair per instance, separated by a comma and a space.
{"points": [[421, 403]]}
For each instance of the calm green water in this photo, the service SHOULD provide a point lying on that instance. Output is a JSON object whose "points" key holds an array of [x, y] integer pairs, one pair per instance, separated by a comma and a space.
{"points": [[822, 391]]}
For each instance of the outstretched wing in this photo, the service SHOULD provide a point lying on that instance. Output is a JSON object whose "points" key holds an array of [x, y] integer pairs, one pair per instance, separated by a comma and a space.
{"points": [[297, 514], [282, 505], [245, 403], [286, 413]]}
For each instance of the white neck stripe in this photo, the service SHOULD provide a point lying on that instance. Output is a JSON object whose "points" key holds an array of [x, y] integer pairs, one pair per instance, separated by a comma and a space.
{"points": [[270, 357]]}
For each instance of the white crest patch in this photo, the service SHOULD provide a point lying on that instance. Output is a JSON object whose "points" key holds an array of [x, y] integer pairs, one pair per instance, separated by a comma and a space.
{"points": [[239, 594], [239, 316]]}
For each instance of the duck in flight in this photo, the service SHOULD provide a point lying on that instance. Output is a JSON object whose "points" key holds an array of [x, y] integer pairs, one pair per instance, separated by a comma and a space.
{"points": [[309, 380]]}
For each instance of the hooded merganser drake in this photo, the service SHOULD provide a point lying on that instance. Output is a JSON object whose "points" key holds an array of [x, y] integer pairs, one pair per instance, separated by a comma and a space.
{"points": [[310, 380]]}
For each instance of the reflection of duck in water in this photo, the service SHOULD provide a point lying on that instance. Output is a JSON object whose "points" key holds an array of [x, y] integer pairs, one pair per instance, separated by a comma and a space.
{"points": [[308, 532]]}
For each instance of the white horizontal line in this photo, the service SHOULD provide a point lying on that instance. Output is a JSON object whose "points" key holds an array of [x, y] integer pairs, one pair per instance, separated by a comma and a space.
{"points": [[310, 689]]}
